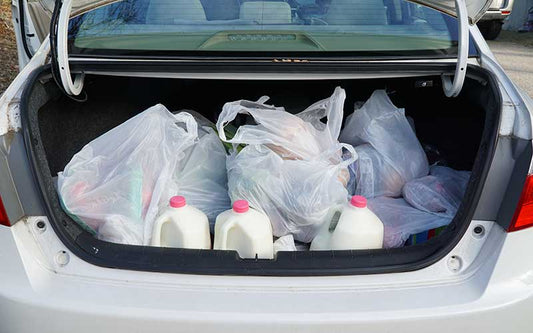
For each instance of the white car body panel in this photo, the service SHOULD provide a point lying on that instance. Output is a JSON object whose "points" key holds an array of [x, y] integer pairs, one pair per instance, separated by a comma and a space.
{"points": [[10, 99], [490, 292], [520, 119]]}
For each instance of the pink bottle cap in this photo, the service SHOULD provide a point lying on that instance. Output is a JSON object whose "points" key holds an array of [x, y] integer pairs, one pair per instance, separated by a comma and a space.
{"points": [[240, 206], [177, 201], [358, 201]]}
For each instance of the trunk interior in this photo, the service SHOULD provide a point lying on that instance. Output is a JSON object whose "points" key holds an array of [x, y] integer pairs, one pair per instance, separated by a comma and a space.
{"points": [[462, 129], [454, 126]]}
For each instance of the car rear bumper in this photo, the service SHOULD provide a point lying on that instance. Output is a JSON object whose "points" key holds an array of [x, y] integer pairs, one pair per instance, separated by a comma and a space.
{"points": [[495, 15], [493, 293], [498, 13]]}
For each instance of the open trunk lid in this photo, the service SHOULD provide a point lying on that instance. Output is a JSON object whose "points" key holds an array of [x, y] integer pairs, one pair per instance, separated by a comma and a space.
{"points": [[464, 10]]}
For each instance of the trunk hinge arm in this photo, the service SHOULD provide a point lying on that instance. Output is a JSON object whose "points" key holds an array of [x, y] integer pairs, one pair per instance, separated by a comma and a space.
{"points": [[59, 40], [452, 89]]}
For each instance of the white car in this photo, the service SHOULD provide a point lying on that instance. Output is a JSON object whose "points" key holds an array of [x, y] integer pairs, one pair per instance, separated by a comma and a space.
{"points": [[491, 23], [106, 61]]}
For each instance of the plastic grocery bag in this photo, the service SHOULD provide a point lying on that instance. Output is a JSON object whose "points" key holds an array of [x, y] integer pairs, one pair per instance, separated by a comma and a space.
{"points": [[402, 220], [371, 175], [285, 243], [292, 167], [440, 192], [202, 177], [390, 154], [117, 183]]}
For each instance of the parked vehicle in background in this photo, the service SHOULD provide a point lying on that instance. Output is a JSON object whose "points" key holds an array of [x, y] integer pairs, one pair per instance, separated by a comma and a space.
{"points": [[491, 23]]}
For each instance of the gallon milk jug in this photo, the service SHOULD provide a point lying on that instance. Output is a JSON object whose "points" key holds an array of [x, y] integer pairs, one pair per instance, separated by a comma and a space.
{"points": [[181, 225], [350, 227], [244, 230]]}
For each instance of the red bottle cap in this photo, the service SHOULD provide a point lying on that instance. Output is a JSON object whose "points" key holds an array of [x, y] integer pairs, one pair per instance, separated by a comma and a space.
{"points": [[358, 201], [177, 201], [240, 206]]}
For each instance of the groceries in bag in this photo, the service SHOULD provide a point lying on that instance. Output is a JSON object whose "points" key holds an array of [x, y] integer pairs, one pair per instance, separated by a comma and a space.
{"points": [[202, 176], [181, 225], [244, 230], [117, 184], [440, 192], [429, 202], [390, 152], [371, 175], [402, 220], [424, 236], [291, 167], [351, 227]]}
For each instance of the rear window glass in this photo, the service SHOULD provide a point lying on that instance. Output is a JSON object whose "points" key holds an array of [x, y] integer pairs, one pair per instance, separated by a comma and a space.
{"points": [[302, 26]]}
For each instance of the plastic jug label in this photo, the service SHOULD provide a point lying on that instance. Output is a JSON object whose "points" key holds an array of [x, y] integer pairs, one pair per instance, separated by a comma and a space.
{"points": [[334, 220]]}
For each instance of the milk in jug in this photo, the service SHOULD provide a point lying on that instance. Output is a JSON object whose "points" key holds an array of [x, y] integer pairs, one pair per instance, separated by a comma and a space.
{"points": [[244, 230], [181, 225], [350, 227]]}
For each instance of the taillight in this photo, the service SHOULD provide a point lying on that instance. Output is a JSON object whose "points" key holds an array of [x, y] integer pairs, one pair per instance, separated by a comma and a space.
{"points": [[506, 12], [3, 215], [523, 216]]}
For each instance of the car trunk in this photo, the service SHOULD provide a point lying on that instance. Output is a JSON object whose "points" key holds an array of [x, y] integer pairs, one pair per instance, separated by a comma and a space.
{"points": [[462, 129]]}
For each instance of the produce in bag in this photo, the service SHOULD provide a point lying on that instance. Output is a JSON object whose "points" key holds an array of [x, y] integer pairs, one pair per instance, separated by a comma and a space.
{"points": [[371, 175], [390, 154], [292, 167], [440, 192], [429, 202], [402, 220], [116, 185]]}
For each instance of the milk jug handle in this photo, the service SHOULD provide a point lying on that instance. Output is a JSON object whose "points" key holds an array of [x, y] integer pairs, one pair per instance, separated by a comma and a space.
{"points": [[226, 227], [331, 213], [156, 234]]}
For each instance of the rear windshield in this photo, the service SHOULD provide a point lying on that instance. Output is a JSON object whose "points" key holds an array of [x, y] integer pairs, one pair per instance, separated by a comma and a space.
{"points": [[249, 26]]}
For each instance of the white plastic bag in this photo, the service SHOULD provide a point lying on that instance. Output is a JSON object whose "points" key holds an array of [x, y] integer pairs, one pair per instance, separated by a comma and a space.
{"points": [[202, 177], [291, 168], [118, 182], [402, 220], [285, 243], [371, 175], [440, 192], [390, 152]]}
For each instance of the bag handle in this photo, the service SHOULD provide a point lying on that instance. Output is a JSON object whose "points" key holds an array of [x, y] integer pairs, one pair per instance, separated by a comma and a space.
{"points": [[353, 155], [345, 163], [191, 126], [232, 109], [331, 108]]}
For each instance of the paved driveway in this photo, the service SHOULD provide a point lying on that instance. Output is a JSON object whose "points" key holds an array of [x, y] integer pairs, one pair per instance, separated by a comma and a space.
{"points": [[515, 53]]}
